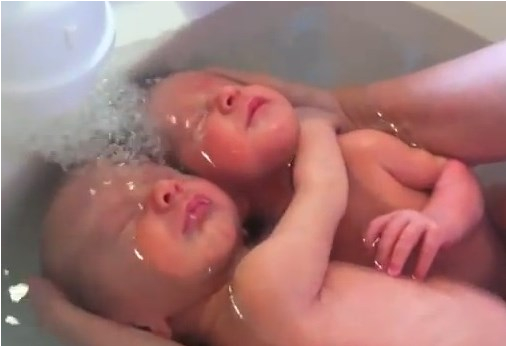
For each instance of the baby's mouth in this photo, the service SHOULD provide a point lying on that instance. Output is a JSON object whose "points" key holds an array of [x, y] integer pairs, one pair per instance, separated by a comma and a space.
{"points": [[195, 212], [253, 107]]}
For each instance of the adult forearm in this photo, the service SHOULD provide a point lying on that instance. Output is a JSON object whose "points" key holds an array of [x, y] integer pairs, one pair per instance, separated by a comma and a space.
{"points": [[455, 109]]}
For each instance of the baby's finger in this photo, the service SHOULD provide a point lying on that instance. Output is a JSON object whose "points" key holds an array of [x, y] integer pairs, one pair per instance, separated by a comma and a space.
{"points": [[389, 237], [375, 228], [429, 249], [404, 246]]}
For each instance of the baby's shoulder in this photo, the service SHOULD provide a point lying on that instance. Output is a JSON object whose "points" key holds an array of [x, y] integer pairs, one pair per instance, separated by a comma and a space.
{"points": [[367, 139], [366, 145]]}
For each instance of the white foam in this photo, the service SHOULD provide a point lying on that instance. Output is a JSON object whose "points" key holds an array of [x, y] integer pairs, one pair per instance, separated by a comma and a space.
{"points": [[112, 124], [18, 291], [11, 320]]}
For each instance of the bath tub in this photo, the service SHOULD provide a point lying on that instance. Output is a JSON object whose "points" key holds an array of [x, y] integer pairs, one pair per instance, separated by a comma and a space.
{"points": [[319, 43]]}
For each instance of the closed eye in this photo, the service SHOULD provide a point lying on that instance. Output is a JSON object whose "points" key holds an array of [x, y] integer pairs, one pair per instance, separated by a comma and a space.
{"points": [[142, 327]]}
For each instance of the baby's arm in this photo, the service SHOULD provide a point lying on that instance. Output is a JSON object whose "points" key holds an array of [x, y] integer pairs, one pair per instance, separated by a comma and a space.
{"points": [[455, 206], [285, 273]]}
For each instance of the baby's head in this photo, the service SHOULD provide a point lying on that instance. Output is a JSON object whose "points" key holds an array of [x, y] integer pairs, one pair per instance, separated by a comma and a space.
{"points": [[223, 130], [143, 245]]}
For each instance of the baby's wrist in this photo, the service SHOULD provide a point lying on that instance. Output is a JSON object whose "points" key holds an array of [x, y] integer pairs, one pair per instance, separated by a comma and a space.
{"points": [[451, 230]]}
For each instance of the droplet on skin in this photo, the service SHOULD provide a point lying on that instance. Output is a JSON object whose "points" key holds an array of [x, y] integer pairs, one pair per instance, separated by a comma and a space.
{"points": [[187, 123], [141, 207], [394, 128], [206, 156], [11, 320], [138, 255], [18, 291], [233, 303], [107, 183], [131, 185], [92, 192], [375, 242], [171, 119], [378, 266]]}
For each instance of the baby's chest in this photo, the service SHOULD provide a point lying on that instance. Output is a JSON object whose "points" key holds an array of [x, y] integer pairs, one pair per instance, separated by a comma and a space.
{"points": [[372, 193]]}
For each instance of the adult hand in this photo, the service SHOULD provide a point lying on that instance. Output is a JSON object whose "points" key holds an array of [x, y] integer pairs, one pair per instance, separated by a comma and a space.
{"points": [[77, 326]]}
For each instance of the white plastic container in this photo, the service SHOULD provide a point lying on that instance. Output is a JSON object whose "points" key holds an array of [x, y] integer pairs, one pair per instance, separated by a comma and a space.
{"points": [[51, 55], [51, 52]]}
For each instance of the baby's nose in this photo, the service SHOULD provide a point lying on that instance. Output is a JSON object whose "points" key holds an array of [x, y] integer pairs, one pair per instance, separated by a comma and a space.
{"points": [[226, 99], [165, 192]]}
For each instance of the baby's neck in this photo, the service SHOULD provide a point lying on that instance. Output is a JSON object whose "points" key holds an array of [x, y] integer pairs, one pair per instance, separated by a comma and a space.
{"points": [[215, 321], [270, 196], [224, 325]]}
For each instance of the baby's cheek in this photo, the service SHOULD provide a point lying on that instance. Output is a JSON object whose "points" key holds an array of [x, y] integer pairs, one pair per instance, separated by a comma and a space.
{"points": [[277, 146], [153, 246], [224, 146], [226, 153]]}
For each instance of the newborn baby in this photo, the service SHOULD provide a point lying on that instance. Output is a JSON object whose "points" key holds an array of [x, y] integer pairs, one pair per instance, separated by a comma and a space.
{"points": [[147, 246], [90, 250], [404, 203]]}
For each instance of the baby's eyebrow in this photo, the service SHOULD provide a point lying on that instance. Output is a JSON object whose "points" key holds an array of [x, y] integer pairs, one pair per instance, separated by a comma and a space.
{"points": [[226, 78]]}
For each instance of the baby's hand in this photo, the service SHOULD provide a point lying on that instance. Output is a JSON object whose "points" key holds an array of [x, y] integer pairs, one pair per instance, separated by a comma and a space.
{"points": [[308, 113], [319, 162], [397, 234]]}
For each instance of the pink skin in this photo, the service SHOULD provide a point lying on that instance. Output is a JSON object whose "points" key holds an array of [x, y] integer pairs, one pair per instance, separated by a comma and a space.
{"points": [[399, 233], [190, 222], [225, 146], [217, 132], [224, 131], [185, 226]]}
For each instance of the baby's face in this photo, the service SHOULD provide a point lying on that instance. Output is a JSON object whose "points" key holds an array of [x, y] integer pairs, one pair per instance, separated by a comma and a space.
{"points": [[222, 130], [146, 236]]}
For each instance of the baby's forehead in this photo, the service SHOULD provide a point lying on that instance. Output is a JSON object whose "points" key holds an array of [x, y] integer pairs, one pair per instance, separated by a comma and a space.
{"points": [[197, 80], [184, 87], [116, 179]]}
